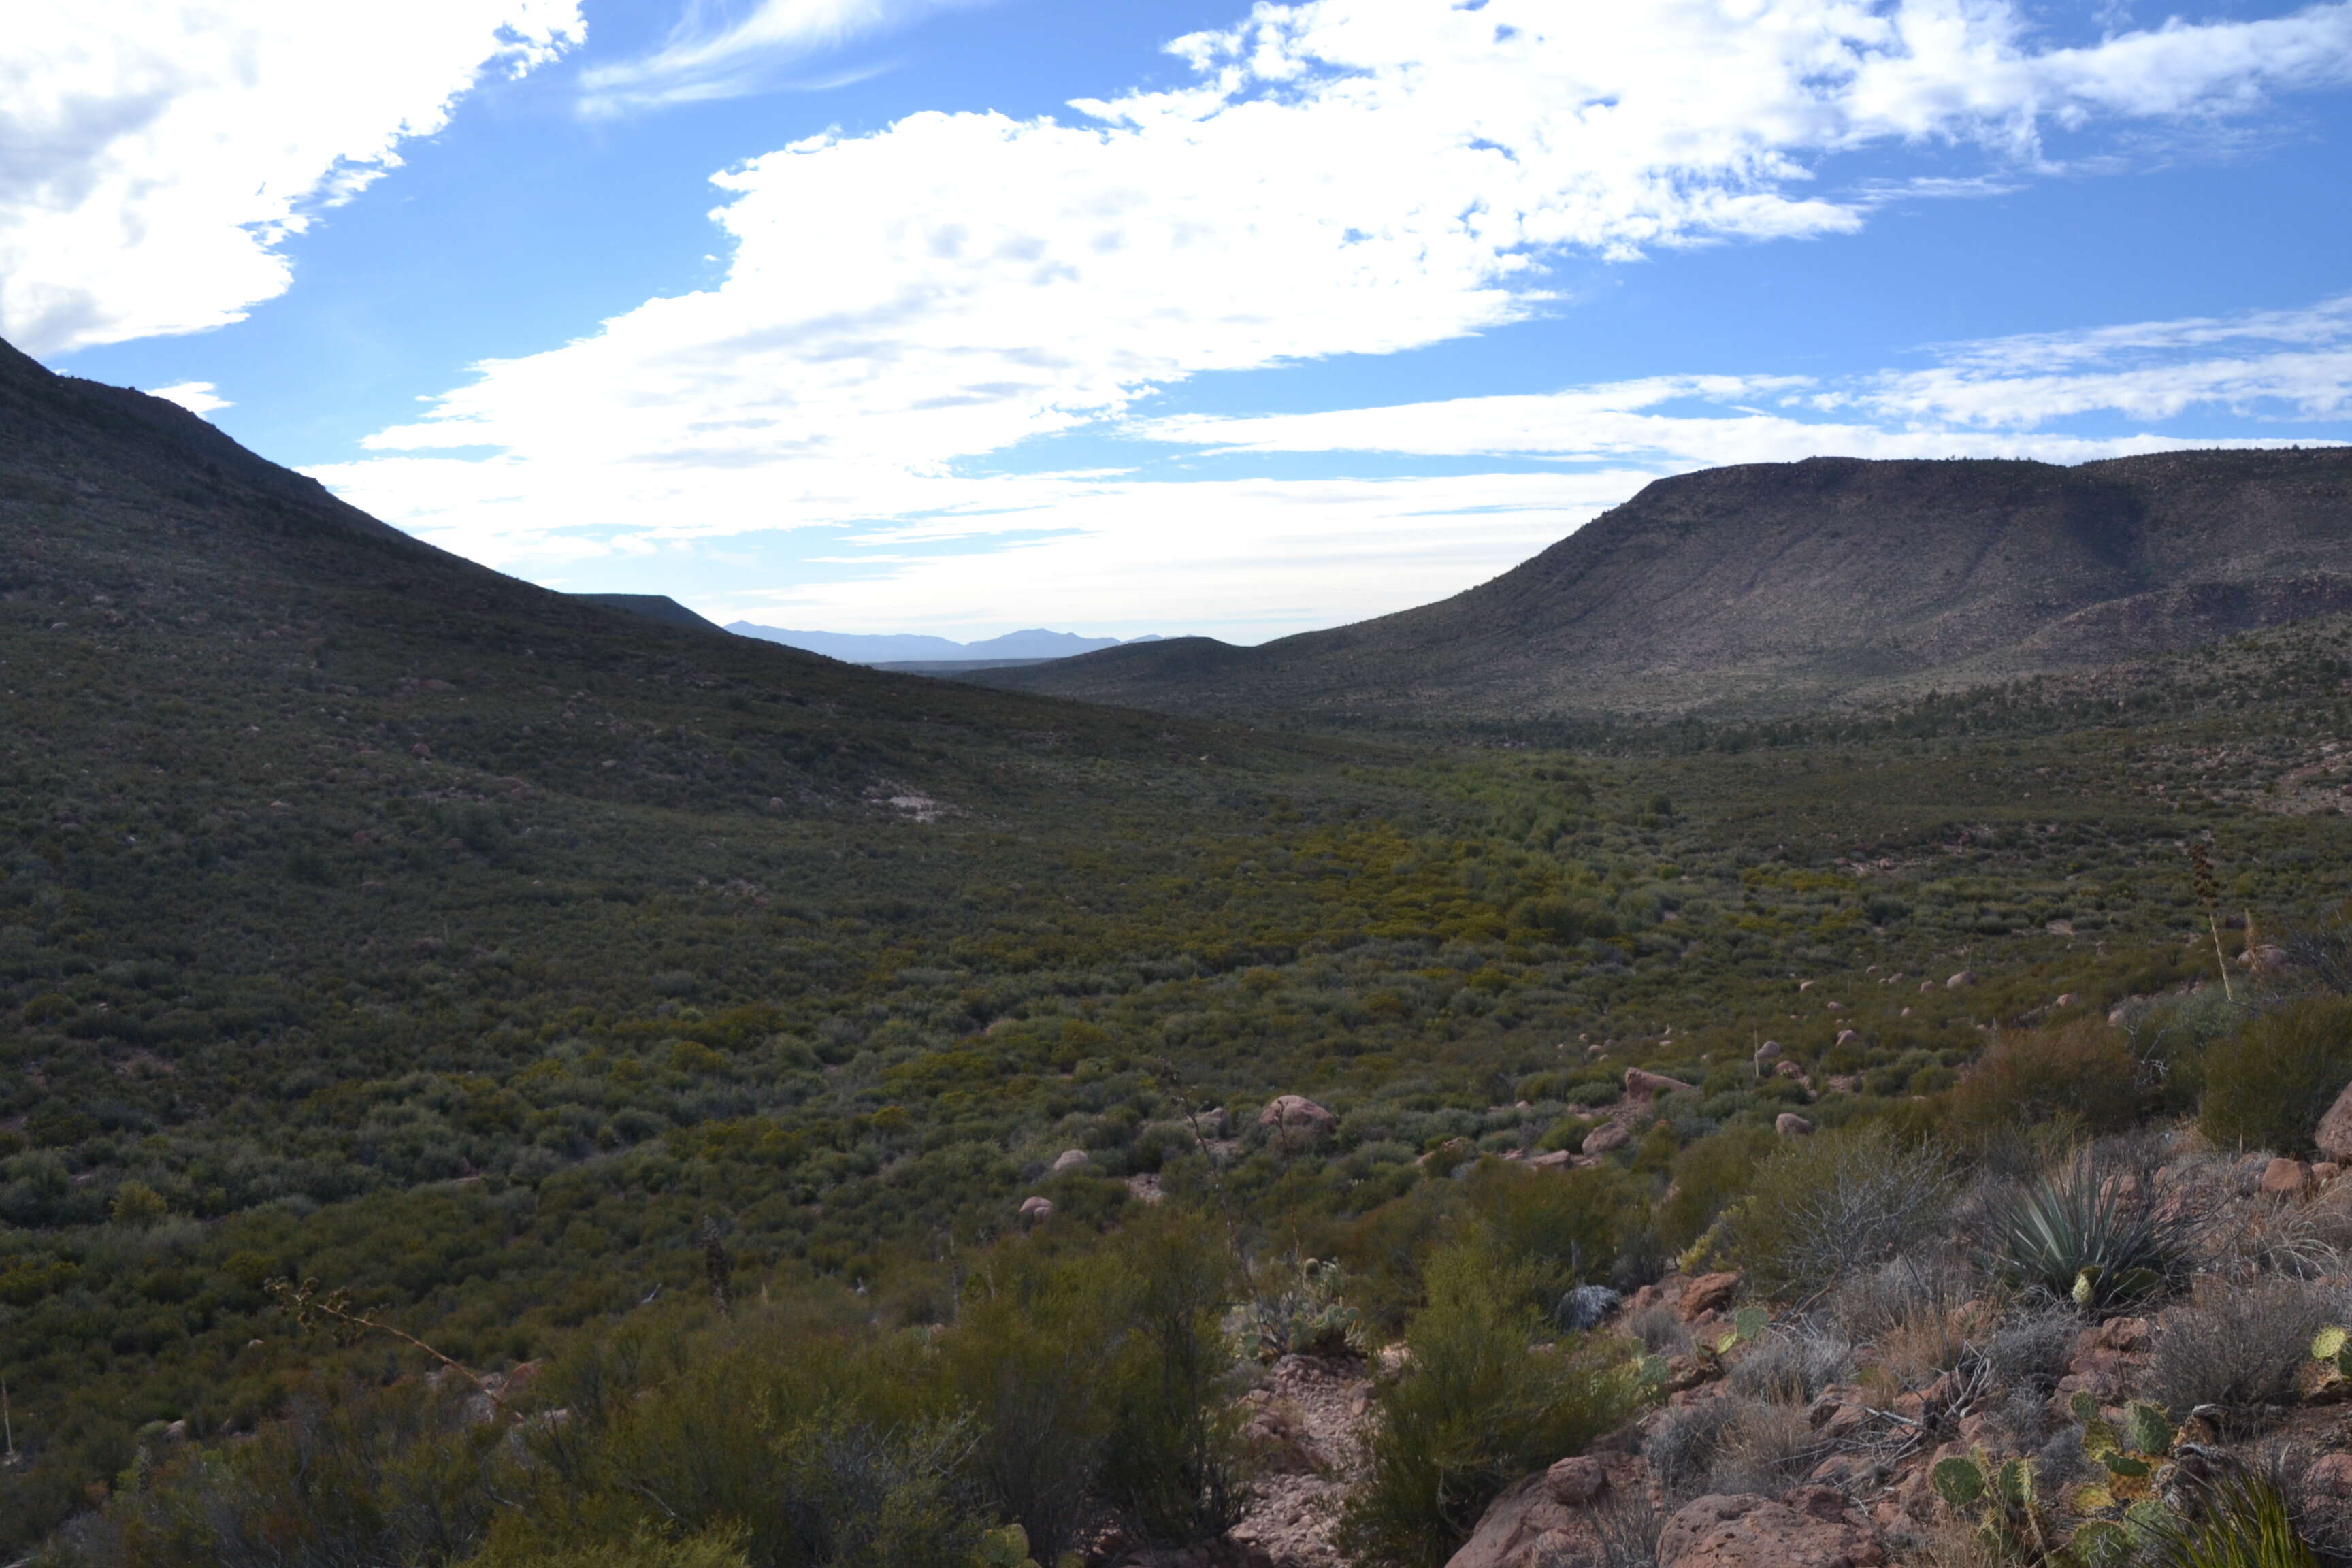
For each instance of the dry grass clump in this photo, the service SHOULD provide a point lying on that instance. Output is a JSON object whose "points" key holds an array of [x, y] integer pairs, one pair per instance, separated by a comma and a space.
{"points": [[1822, 1204], [1791, 1364], [1868, 1304], [1927, 1342], [2238, 1346]]}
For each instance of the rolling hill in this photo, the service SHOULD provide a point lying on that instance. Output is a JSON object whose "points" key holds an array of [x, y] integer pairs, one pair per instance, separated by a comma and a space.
{"points": [[1772, 587]]}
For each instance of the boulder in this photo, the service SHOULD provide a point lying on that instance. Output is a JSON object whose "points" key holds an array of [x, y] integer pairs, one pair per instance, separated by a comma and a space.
{"points": [[1576, 1482], [1769, 1051], [1586, 1307], [1297, 1113], [1926, 985], [1965, 978], [1789, 1124], [1556, 1160], [1070, 1160], [1034, 1210], [2334, 1134], [2068, 999], [1847, 1036], [2285, 1178], [1706, 1293], [1607, 1136], [1815, 1528], [1642, 1081], [1541, 1520], [1788, 1069]]}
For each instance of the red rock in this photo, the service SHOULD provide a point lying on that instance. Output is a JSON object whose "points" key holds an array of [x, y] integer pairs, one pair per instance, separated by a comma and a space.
{"points": [[2333, 1136], [1575, 1482], [1642, 1081], [2284, 1178], [2324, 1172], [1816, 1527], [1707, 1292], [2127, 1334], [2330, 1475]]}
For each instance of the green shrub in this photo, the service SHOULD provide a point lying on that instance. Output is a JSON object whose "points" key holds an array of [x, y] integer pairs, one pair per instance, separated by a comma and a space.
{"points": [[1477, 1406], [2267, 1085], [1709, 1176], [1823, 1205], [1561, 1229], [2083, 1069]]}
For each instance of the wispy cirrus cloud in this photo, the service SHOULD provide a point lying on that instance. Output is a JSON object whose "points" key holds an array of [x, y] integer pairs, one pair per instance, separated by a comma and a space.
{"points": [[723, 50]]}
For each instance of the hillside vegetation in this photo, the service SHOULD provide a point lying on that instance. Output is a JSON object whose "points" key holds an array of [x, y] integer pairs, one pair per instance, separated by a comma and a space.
{"points": [[1775, 587], [670, 1029]]}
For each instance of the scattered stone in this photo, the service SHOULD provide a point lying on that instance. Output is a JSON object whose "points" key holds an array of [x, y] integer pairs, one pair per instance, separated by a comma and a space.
{"points": [[1556, 1160], [2324, 1172], [1607, 1136], [1926, 985], [1816, 1527], [1575, 1482], [2068, 1000], [2285, 1178], [1036, 1211], [1707, 1292], [1848, 1036], [1789, 1124], [1640, 1080], [1769, 1051], [1965, 978], [1788, 1069], [1070, 1160]]}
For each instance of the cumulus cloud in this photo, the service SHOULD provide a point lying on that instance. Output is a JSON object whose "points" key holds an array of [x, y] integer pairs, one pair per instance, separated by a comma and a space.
{"points": [[1358, 176], [198, 397], [154, 162], [714, 53]]}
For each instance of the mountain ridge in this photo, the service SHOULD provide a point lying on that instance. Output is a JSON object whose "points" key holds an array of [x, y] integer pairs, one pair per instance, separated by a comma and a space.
{"points": [[1785, 585]]}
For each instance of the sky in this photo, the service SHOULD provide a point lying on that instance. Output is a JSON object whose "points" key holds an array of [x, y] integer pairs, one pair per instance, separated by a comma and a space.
{"points": [[1163, 316]]}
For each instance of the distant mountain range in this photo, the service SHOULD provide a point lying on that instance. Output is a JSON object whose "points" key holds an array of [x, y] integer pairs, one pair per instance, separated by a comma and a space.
{"points": [[913, 647], [1779, 587]]}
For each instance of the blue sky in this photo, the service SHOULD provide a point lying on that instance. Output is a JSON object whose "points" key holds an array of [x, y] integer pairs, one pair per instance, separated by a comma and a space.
{"points": [[908, 315]]}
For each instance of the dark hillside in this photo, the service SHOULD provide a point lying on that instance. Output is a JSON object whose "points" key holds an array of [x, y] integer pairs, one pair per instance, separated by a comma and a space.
{"points": [[1781, 585]]}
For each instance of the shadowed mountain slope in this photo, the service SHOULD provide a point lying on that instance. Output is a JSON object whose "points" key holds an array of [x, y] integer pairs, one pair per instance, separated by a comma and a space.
{"points": [[1778, 585]]}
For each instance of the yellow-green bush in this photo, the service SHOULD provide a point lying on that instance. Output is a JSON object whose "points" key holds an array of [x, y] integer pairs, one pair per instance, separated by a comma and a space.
{"points": [[2083, 1069], [2267, 1085], [1478, 1406]]}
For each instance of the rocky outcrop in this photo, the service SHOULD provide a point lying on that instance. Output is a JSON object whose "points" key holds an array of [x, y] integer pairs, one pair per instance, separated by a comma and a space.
{"points": [[1816, 1527], [1643, 1082], [1545, 1519]]}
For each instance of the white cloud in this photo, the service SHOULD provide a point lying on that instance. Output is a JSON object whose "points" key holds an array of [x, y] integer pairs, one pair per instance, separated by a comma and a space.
{"points": [[1985, 399], [154, 154], [1355, 176], [712, 54], [198, 397]]}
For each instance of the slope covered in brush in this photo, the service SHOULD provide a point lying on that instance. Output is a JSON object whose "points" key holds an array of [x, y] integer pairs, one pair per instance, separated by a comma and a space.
{"points": [[1777, 586]]}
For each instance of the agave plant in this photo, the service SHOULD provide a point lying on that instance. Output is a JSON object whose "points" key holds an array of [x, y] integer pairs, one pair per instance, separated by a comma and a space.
{"points": [[2080, 1235]]}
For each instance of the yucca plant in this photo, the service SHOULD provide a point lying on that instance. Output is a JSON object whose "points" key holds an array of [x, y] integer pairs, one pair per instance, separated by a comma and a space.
{"points": [[2239, 1518], [2077, 1235]]}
